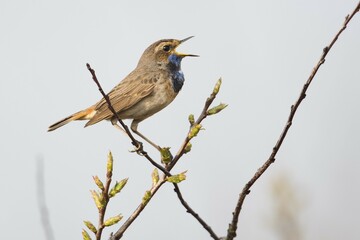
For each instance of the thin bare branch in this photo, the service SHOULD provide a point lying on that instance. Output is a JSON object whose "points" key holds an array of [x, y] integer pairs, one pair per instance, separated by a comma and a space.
{"points": [[44, 213], [246, 190], [119, 233], [202, 116], [102, 211], [193, 213]]}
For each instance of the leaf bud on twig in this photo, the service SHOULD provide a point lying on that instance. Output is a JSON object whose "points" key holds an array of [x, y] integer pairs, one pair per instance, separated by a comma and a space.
{"points": [[166, 155], [85, 235], [177, 178], [90, 226], [113, 220], [99, 183], [217, 87], [155, 176], [118, 187], [191, 119], [194, 131], [216, 109]]}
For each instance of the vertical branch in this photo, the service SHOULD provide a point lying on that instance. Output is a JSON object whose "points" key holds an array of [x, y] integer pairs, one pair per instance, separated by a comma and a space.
{"points": [[246, 190], [105, 195], [44, 213], [102, 199]]}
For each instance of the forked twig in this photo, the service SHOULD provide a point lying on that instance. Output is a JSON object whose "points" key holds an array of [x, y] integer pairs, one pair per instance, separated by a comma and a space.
{"points": [[118, 234], [203, 115], [246, 190]]}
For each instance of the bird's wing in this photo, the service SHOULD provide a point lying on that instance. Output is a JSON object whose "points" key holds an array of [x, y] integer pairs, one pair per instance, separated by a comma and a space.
{"points": [[124, 95]]}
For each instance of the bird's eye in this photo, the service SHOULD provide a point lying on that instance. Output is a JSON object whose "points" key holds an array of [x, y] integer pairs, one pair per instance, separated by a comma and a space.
{"points": [[166, 48]]}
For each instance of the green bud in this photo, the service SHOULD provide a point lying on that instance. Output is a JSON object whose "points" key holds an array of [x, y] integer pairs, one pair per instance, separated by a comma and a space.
{"points": [[146, 197], [113, 220], [85, 235], [216, 109], [155, 177], [188, 147], [118, 187], [217, 87], [109, 166], [191, 119], [177, 178], [97, 199], [166, 156], [90, 226], [99, 183], [194, 131]]}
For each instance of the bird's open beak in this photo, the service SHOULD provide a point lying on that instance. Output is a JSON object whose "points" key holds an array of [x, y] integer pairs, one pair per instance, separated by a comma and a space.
{"points": [[182, 55]]}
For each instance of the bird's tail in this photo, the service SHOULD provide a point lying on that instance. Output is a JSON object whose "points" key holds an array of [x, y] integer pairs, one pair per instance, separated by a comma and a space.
{"points": [[81, 115]]}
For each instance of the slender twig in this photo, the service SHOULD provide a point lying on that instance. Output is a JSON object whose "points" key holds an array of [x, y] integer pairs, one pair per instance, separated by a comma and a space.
{"points": [[246, 190], [105, 194], [118, 234], [135, 142], [44, 212], [193, 213], [202, 116]]}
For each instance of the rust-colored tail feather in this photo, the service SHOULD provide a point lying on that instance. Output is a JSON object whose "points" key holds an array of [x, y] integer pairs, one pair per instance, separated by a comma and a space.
{"points": [[81, 115]]}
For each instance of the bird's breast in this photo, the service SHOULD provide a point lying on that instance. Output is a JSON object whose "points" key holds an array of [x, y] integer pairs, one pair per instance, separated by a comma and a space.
{"points": [[177, 80], [165, 93], [162, 96]]}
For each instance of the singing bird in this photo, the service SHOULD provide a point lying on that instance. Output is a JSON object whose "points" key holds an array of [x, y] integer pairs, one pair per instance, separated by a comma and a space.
{"points": [[150, 87]]}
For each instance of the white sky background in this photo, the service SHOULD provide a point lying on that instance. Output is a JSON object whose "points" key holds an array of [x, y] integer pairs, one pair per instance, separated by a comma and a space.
{"points": [[263, 50]]}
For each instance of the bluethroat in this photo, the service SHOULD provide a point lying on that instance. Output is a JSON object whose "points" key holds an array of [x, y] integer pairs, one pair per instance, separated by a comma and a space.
{"points": [[150, 87]]}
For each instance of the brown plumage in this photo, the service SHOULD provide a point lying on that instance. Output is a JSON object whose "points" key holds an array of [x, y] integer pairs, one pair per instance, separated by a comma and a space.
{"points": [[150, 87]]}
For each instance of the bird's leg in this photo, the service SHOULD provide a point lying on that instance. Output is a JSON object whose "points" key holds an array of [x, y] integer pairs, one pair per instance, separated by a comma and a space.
{"points": [[117, 126], [134, 126]]}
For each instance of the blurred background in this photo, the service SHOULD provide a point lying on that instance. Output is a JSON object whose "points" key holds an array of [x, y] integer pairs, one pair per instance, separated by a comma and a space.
{"points": [[263, 50]]}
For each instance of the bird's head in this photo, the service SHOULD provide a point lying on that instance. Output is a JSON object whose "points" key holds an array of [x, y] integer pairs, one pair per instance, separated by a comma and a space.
{"points": [[163, 54]]}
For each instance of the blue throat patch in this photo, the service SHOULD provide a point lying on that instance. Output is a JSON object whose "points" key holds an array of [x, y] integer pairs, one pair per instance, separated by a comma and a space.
{"points": [[177, 76]]}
